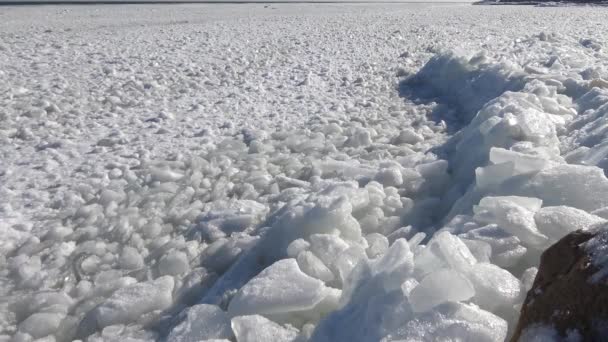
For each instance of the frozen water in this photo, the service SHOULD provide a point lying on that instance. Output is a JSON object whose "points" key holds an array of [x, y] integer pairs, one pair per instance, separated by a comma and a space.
{"points": [[438, 287], [129, 303], [257, 328], [513, 214], [332, 168], [556, 222], [494, 286], [453, 321], [314, 267], [41, 324], [279, 288], [576, 186], [173, 263], [202, 322], [522, 163]]}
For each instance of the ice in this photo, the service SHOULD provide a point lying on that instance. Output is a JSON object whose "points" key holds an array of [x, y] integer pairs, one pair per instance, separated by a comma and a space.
{"points": [[408, 136], [256, 328], [395, 266], [513, 214], [452, 250], [506, 249], [522, 163], [527, 279], [41, 324], [129, 303], [494, 286], [416, 240], [482, 251], [164, 174], [296, 247], [314, 267], [174, 263], [444, 285], [493, 175], [328, 249], [453, 321], [282, 287], [348, 260], [576, 186], [369, 318], [493, 79], [202, 322], [378, 244], [556, 222], [131, 259], [534, 126], [360, 137], [389, 177], [254, 172], [444, 249]]}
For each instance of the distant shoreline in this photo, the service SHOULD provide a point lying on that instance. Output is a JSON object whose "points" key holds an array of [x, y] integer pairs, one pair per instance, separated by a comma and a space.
{"points": [[542, 3]]}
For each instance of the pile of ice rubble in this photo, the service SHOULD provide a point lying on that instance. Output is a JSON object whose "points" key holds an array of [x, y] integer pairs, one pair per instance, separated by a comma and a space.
{"points": [[343, 231]]}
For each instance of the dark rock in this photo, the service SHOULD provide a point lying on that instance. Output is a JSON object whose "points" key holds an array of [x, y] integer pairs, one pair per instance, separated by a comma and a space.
{"points": [[562, 296]]}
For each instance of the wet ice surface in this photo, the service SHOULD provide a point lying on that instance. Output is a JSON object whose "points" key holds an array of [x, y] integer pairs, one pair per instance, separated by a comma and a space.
{"points": [[291, 172]]}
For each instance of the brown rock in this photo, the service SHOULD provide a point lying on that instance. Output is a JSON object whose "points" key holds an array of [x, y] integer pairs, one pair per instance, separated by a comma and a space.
{"points": [[562, 296]]}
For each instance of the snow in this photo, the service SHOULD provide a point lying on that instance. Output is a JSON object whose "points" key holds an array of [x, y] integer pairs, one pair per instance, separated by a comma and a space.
{"points": [[305, 172]]}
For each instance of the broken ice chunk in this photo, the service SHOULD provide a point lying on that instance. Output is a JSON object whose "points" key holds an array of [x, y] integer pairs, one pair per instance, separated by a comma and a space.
{"points": [[522, 163], [454, 322], [443, 250], [408, 136], [203, 322], [445, 285], [527, 278], [494, 286], [173, 263], [129, 303], [314, 267], [452, 250], [378, 244], [328, 248], [296, 247], [348, 260], [41, 324], [389, 177], [506, 248], [492, 175], [578, 186], [557, 222], [329, 214], [282, 287], [482, 251], [535, 126], [256, 328], [395, 266], [514, 214]]}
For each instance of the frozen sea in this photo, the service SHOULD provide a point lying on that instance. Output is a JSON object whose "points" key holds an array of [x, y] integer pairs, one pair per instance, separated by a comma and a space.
{"points": [[292, 172]]}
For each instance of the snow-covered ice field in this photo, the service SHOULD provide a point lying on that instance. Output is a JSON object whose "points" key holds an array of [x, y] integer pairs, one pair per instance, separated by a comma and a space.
{"points": [[292, 172]]}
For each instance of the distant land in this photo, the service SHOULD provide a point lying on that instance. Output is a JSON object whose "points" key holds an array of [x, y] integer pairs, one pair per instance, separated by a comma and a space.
{"points": [[541, 2]]}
